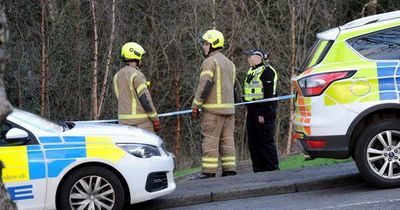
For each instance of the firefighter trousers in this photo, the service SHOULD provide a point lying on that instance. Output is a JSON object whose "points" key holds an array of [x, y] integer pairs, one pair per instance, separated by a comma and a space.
{"points": [[217, 132], [262, 144]]}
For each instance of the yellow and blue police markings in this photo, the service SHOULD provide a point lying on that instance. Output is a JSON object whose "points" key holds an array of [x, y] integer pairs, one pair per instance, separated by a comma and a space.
{"points": [[25, 163], [22, 163], [372, 83], [388, 80], [22, 192]]}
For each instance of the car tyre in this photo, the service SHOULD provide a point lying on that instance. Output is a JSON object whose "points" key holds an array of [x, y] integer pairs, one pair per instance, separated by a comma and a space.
{"points": [[377, 153], [94, 187]]}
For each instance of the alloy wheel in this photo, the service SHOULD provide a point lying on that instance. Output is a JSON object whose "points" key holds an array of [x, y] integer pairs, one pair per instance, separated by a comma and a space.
{"points": [[383, 154], [92, 193]]}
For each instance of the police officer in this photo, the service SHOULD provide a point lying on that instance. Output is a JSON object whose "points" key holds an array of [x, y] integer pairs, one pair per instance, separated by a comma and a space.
{"points": [[215, 97], [135, 106], [260, 83]]}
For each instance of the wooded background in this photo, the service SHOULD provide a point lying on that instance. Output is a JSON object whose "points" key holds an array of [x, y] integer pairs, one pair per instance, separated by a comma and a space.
{"points": [[65, 52]]}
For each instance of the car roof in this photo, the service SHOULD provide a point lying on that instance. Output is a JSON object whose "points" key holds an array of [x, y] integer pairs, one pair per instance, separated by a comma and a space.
{"points": [[371, 19], [332, 34]]}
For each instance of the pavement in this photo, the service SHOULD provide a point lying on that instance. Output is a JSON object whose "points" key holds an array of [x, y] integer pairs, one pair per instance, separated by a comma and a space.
{"points": [[246, 185]]}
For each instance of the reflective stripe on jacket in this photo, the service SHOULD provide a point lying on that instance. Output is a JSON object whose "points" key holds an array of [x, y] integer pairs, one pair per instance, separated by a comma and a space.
{"points": [[215, 89], [134, 100]]}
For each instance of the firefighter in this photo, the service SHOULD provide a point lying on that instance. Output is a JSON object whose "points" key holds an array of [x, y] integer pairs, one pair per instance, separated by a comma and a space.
{"points": [[215, 98], [260, 83], [135, 106]]}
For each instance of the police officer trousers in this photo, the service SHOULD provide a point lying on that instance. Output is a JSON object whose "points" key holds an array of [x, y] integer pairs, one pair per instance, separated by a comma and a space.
{"points": [[262, 143], [217, 132]]}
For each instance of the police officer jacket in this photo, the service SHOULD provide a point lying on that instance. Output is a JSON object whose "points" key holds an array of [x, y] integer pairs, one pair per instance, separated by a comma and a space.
{"points": [[268, 77], [215, 89], [134, 101]]}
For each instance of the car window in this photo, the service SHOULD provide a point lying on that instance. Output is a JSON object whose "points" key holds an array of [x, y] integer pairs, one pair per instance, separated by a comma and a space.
{"points": [[316, 54], [382, 45]]}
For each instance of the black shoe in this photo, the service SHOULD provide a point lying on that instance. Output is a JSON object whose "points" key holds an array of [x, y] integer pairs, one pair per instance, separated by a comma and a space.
{"points": [[206, 175], [228, 173]]}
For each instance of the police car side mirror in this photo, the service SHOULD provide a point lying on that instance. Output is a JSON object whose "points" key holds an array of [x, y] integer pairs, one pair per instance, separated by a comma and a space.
{"points": [[17, 136]]}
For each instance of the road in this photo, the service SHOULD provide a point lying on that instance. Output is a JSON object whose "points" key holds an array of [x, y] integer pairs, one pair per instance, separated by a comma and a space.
{"points": [[356, 197], [249, 185]]}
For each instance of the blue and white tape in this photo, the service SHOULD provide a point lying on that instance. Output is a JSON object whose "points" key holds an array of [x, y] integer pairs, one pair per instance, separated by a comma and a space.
{"points": [[189, 111]]}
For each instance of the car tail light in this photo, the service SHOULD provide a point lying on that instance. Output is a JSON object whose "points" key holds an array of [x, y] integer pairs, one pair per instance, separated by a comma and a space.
{"points": [[316, 84], [316, 144]]}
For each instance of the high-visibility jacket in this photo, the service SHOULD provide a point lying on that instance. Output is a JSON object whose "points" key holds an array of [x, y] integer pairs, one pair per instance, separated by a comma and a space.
{"points": [[266, 78], [254, 85], [215, 92], [134, 100]]}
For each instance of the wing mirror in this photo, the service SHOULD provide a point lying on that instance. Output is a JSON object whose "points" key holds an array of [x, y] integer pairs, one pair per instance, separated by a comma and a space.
{"points": [[17, 136]]}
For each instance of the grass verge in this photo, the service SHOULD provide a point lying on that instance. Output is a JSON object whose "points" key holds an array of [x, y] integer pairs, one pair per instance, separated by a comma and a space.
{"points": [[298, 161], [186, 172]]}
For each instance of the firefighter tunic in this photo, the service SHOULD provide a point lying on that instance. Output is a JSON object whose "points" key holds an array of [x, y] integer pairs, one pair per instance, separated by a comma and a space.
{"points": [[215, 96], [135, 106]]}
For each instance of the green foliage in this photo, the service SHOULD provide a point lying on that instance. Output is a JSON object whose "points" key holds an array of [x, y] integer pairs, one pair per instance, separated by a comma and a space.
{"points": [[299, 161], [186, 172]]}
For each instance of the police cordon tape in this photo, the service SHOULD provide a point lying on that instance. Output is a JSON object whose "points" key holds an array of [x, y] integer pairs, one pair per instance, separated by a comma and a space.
{"points": [[279, 98], [189, 111]]}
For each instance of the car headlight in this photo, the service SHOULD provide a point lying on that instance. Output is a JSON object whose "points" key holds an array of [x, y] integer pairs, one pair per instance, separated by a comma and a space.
{"points": [[140, 150]]}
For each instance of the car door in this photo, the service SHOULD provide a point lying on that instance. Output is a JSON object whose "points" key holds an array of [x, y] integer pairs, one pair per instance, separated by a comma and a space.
{"points": [[24, 174]]}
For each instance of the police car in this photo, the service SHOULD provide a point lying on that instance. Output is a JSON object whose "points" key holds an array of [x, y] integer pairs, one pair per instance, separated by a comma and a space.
{"points": [[348, 97], [81, 165]]}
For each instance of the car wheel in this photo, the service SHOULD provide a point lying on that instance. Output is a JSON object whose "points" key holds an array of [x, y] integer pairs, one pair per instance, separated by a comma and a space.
{"points": [[92, 188], [377, 153]]}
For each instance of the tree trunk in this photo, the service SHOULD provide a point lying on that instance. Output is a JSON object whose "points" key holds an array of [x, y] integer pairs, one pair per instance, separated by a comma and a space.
{"points": [[108, 63], [95, 64], [5, 106], [178, 119], [78, 58], [293, 63], [43, 78]]}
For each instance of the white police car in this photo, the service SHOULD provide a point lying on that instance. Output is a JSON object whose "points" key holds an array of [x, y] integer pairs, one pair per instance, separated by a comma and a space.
{"points": [[81, 165]]}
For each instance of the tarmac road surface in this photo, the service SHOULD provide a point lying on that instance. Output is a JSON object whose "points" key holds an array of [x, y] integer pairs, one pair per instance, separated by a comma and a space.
{"points": [[355, 197]]}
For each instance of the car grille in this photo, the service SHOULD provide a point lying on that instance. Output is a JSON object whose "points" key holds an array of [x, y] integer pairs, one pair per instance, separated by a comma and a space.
{"points": [[156, 181]]}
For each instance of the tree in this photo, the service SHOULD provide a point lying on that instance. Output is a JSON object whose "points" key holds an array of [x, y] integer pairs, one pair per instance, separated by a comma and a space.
{"points": [[95, 61], [43, 78], [108, 63], [5, 106], [292, 70]]}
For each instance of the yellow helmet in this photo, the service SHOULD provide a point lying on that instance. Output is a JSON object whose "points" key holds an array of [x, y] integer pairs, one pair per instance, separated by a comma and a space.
{"points": [[214, 37], [132, 51]]}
